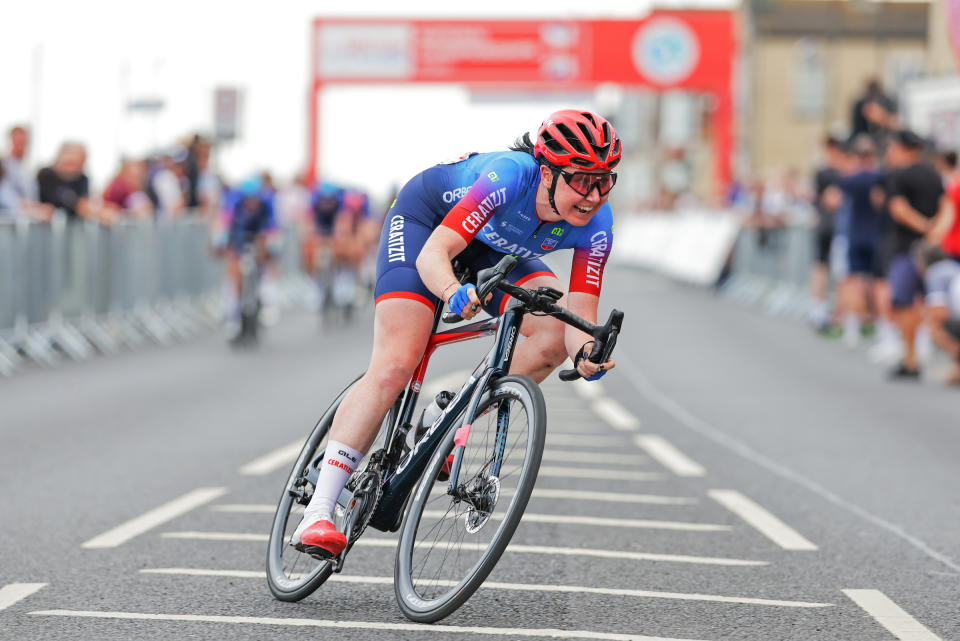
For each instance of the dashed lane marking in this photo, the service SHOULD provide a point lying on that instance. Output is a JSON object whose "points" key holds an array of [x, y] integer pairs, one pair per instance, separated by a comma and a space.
{"points": [[576, 456], [891, 616], [596, 521], [591, 390], [357, 625], [15, 592], [668, 455], [715, 434], [596, 473], [615, 414], [613, 497], [586, 440], [765, 522], [517, 549], [157, 516], [276, 459], [522, 587], [542, 493]]}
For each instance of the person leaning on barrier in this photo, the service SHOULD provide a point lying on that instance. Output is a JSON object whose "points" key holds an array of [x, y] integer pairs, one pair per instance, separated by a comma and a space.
{"points": [[18, 189], [941, 278], [65, 186]]}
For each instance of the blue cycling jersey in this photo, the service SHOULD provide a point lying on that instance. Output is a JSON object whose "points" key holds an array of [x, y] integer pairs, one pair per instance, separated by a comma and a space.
{"points": [[245, 218], [496, 193]]}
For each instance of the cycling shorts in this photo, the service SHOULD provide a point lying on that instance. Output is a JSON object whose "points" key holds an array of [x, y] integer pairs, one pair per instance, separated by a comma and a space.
{"points": [[401, 240]]}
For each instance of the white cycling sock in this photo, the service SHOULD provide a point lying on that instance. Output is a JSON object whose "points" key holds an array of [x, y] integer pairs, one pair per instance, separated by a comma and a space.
{"points": [[339, 462]]}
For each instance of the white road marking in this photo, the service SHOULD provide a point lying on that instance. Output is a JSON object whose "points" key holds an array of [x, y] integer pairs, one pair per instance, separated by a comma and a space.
{"points": [[357, 625], [613, 497], [585, 440], [521, 587], [543, 493], [590, 390], [157, 516], [615, 414], [589, 473], [765, 522], [668, 455], [16, 592], [701, 427], [276, 459], [518, 549], [595, 521], [891, 616], [576, 456]]}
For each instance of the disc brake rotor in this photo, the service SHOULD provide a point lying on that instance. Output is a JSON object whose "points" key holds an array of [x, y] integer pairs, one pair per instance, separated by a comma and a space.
{"points": [[482, 496]]}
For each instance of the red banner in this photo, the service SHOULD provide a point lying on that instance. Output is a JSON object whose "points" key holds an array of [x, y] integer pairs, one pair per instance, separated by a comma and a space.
{"points": [[690, 50], [668, 49]]}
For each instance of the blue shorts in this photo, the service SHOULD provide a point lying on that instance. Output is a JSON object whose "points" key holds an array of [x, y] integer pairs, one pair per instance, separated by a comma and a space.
{"points": [[862, 259], [406, 228], [905, 281]]}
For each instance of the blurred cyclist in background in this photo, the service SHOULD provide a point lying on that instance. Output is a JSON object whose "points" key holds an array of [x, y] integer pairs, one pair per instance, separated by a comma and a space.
{"points": [[539, 197], [247, 223]]}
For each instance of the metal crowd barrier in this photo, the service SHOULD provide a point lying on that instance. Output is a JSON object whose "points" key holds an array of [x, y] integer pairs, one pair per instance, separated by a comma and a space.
{"points": [[70, 289], [770, 267]]}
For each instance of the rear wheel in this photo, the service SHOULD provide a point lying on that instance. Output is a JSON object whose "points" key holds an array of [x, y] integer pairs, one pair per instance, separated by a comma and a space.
{"points": [[448, 545], [291, 574]]}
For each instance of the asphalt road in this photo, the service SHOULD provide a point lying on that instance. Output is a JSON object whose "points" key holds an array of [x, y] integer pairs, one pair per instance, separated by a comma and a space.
{"points": [[745, 479]]}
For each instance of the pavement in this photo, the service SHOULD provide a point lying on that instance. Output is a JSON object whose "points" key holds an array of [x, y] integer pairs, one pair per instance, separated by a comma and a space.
{"points": [[735, 477]]}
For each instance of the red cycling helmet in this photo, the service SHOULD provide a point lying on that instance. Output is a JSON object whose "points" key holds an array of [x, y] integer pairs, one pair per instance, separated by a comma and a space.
{"points": [[571, 138]]}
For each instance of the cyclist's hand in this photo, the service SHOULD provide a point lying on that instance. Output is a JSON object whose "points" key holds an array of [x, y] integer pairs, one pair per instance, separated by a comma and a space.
{"points": [[587, 368], [465, 302]]}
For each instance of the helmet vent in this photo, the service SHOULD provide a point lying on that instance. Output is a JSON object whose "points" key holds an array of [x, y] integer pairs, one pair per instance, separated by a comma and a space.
{"points": [[571, 138]]}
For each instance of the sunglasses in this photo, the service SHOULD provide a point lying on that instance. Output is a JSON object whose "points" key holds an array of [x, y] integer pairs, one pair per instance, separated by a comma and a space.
{"points": [[583, 182]]}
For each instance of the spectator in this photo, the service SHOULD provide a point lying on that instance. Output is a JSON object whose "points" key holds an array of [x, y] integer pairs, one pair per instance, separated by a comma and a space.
{"points": [[941, 277], [825, 177], [18, 190], [874, 113], [920, 210], [165, 184], [951, 180], [860, 187], [64, 185], [125, 192]]}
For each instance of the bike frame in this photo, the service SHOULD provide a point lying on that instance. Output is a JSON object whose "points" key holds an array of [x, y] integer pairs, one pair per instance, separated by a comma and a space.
{"points": [[401, 480]]}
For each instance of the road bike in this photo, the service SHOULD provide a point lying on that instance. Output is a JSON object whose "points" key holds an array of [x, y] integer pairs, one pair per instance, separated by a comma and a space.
{"points": [[458, 490]]}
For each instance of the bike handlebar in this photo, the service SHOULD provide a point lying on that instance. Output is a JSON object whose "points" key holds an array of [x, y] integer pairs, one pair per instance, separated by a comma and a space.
{"points": [[544, 300]]}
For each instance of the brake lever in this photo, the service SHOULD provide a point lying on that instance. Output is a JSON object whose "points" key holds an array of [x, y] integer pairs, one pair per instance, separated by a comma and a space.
{"points": [[605, 339], [487, 280]]}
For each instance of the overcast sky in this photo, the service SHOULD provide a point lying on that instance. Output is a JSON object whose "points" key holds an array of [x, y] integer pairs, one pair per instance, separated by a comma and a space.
{"points": [[69, 69]]}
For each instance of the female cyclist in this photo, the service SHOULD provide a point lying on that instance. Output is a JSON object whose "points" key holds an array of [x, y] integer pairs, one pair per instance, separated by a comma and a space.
{"points": [[530, 201]]}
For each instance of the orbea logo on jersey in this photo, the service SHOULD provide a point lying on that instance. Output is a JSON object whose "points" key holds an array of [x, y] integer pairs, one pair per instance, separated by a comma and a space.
{"points": [[455, 194], [475, 219]]}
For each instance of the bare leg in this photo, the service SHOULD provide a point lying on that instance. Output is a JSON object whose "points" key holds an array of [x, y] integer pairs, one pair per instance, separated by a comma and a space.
{"points": [[401, 328], [543, 349], [908, 319]]}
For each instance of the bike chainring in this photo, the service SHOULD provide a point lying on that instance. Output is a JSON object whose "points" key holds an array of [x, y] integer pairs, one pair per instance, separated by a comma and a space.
{"points": [[366, 496]]}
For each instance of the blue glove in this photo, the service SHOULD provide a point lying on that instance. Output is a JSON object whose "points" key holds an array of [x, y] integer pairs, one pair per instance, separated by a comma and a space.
{"points": [[461, 298], [597, 376]]}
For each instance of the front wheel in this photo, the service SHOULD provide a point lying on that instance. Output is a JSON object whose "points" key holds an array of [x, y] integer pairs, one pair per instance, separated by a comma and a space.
{"points": [[448, 545]]}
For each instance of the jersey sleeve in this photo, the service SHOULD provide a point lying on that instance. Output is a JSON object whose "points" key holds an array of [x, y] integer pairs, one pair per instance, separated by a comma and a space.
{"points": [[497, 184], [591, 253]]}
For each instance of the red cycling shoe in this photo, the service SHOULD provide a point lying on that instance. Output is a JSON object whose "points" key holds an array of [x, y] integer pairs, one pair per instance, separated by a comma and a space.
{"points": [[322, 539]]}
